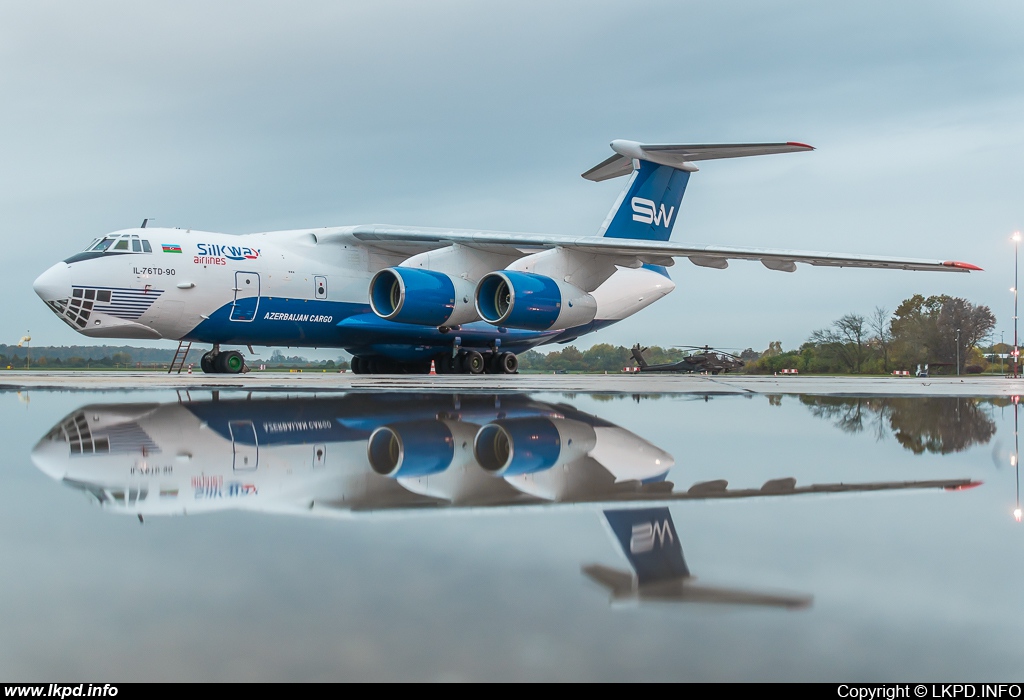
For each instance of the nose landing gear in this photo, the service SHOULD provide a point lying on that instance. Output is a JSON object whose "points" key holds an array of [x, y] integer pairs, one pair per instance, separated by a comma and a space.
{"points": [[222, 362]]}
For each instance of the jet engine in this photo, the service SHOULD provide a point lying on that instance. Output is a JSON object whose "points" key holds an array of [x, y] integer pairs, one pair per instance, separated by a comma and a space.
{"points": [[519, 446], [422, 297], [411, 449], [532, 302]]}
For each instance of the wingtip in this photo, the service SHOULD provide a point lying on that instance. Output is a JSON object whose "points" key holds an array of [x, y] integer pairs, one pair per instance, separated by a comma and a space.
{"points": [[801, 145], [965, 487], [962, 265]]}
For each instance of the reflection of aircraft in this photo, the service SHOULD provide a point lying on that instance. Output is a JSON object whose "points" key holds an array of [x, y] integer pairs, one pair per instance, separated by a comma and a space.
{"points": [[358, 453], [398, 297], [650, 542], [703, 361]]}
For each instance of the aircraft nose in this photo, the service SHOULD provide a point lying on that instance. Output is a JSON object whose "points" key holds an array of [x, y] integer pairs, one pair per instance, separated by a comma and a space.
{"points": [[51, 458], [54, 284]]}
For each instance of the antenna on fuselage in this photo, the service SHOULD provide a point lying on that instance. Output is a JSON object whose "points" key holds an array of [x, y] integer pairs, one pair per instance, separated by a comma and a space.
{"points": [[146, 221]]}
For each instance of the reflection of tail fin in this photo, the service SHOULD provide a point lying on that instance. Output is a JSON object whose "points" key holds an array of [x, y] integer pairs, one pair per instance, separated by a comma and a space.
{"points": [[648, 539]]}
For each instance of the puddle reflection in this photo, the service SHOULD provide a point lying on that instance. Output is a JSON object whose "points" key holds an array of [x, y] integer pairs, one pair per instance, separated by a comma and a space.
{"points": [[355, 454], [940, 425]]}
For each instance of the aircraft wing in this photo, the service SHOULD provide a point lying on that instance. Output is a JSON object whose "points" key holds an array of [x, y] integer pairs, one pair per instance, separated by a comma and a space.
{"points": [[632, 253]]}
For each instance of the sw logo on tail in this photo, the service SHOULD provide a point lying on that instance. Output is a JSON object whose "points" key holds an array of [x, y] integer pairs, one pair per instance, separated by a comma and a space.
{"points": [[645, 213]]}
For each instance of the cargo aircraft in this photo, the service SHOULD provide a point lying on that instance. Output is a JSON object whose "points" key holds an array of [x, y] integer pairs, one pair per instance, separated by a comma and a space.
{"points": [[368, 455], [399, 298]]}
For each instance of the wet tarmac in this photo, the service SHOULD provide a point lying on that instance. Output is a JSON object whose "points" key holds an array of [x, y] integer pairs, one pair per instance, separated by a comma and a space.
{"points": [[972, 385]]}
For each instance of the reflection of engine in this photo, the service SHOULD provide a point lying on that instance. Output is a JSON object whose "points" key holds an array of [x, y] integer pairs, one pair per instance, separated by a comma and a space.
{"points": [[532, 302], [560, 459], [463, 482], [416, 448], [528, 445]]}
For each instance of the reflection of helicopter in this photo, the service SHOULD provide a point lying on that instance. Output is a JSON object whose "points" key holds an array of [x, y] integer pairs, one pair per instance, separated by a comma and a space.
{"points": [[707, 360], [360, 453]]}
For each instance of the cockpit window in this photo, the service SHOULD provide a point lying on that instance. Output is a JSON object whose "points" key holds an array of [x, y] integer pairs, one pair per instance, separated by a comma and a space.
{"points": [[116, 244]]}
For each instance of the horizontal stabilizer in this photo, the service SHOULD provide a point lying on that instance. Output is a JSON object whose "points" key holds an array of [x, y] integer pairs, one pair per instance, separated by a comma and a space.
{"points": [[680, 156]]}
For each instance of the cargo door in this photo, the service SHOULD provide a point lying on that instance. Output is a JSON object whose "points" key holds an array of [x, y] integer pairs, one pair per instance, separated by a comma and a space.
{"points": [[245, 448], [247, 296]]}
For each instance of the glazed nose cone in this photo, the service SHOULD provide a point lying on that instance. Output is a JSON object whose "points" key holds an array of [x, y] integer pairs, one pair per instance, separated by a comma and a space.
{"points": [[55, 283]]}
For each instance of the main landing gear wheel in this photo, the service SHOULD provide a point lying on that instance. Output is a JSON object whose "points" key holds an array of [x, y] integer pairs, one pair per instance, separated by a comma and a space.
{"points": [[507, 363], [206, 363], [473, 362]]}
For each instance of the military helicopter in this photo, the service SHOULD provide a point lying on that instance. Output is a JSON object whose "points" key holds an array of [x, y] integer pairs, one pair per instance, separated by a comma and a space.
{"points": [[708, 360]]}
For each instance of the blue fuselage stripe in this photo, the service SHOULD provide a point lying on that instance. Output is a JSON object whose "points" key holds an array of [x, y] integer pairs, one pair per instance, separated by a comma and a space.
{"points": [[353, 326]]}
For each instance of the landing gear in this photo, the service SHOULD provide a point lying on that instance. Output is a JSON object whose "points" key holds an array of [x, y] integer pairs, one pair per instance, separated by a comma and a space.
{"points": [[218, 362], [473, 362], [464, 362], [385, 365], [506, 363], [230, 362]]}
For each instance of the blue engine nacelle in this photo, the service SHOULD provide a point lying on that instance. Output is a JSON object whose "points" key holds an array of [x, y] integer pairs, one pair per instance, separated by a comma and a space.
{"points": [[532, 302], [415, 448], [422, 297], [518, 446]]}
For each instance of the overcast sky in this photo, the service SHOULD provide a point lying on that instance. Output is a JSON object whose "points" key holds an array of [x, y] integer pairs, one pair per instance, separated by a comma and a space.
{"points": [[260, 116]]}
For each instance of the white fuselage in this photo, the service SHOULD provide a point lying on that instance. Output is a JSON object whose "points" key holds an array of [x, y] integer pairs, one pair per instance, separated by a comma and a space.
{"points": [[287, 288]]}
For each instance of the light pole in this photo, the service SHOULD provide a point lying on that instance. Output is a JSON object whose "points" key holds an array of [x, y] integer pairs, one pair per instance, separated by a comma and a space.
{"points": [[958, 352], [1016, 245], [1015, 457]]}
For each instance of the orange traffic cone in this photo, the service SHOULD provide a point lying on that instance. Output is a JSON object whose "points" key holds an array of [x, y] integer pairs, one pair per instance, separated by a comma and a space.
{"points": [[432, 370]]}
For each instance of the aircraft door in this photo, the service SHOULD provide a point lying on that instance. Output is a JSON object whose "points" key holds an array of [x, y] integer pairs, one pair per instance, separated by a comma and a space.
{"points": [[245, 448], [320, 287], [247, 296]]}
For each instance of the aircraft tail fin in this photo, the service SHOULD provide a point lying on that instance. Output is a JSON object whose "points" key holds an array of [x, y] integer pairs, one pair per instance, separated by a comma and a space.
{"points": [[638, 356], [648, 539], [648, 207]]}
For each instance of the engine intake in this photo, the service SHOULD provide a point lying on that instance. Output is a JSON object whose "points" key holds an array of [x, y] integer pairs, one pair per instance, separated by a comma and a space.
{"points": [[522, 446], [532, 302], [416, 448], [413, 295]]}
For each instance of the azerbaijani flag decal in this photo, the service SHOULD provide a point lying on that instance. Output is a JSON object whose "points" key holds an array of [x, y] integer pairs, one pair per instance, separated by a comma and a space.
{"points": [[170, 248]]}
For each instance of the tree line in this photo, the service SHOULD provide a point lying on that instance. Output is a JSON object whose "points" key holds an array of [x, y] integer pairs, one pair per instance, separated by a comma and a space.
{"points": [[942, 331]]}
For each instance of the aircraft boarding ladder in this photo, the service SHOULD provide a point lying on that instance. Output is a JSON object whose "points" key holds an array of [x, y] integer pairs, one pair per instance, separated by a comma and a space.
{"points": [[182, 352]]}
